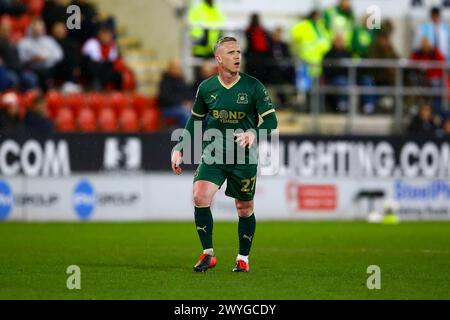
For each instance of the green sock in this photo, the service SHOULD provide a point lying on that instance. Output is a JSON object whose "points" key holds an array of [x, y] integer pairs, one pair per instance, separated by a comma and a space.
{"points": [[204, 224], [246, 231]]}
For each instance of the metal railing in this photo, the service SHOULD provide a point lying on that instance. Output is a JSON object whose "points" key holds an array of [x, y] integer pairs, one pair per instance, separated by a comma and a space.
{"points": [[399, 90]]}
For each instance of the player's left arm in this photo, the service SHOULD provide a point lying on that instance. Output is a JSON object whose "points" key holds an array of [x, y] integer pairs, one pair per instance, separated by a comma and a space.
{"points": [[266, 111], [270, 122]]}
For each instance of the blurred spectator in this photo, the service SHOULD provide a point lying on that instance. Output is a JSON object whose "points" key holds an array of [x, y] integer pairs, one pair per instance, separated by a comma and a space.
{"points": [[40, 53], [424, 123], [175, 96], [427, 52], [258, 49], [339, 19], [362, 38], [387, 27], [446, 127], [207, 69], [37, 119], [281, 70], [10, 120], [205, 19], [99, 56], [54, 11], [382, 49], [90, 22], [11, 75], [436, 31], [311, 41], [67, 70], [335, 75]]}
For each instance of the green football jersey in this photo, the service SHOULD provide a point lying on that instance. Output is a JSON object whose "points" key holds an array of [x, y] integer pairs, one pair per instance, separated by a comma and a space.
{"points": [[232, 107]]}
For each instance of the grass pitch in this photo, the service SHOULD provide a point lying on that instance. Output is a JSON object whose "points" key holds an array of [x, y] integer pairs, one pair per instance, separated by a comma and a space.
{"points": [[290, 260]]}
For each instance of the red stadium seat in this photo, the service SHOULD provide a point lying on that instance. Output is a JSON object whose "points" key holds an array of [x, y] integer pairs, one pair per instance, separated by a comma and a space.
{"points": [[151, 120], [107, 120], [35, 7], [128, 77], [140, 103], [26, 101], [128, 80], [170, 122], [65, 120], [153, 102], [87, 121], [55, 100], [28, 98], [129, 120], [76, 101], [97, 101], [119, 102]]}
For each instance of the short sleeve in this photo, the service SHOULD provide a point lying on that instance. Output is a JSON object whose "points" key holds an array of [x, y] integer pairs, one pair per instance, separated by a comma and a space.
{"points": [[264, 104], [199, 109]]}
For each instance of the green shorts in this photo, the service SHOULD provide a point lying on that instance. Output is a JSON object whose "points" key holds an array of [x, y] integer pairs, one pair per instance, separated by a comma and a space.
{"points": [[241, 179]]}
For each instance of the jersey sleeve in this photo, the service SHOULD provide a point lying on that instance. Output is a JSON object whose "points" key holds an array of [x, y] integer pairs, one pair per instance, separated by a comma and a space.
{"points": [[264, 104], [200, 108]]}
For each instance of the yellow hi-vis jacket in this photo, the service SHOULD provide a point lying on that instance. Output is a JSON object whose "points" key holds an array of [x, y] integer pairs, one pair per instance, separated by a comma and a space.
{"points": [[338, 22], [205, 22], [311, 41]]}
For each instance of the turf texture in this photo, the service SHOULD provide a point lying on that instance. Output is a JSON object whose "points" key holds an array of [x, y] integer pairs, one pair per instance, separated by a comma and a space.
{"points": [[289, 260]]}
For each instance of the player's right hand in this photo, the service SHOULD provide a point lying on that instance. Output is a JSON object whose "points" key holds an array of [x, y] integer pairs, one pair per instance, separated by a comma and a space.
{"points": [[176, 162]]}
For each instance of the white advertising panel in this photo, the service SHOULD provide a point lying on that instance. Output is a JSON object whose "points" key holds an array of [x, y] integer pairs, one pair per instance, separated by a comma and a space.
{"points": [[167, 197], [83, 198], [9, 193]]}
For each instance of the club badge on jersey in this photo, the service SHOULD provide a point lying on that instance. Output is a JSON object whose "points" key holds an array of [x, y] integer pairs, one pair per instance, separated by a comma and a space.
{"points": [[242, 98]]}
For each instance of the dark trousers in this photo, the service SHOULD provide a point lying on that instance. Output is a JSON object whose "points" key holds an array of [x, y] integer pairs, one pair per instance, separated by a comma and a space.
{"points": [[101, 74]]}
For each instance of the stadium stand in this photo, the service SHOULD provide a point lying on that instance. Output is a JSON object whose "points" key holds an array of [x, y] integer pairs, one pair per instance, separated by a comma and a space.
{"points": [[72, 110]]}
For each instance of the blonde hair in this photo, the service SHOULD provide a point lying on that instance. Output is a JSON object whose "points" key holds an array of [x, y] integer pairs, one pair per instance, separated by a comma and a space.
{"points": [[223, 40]]}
